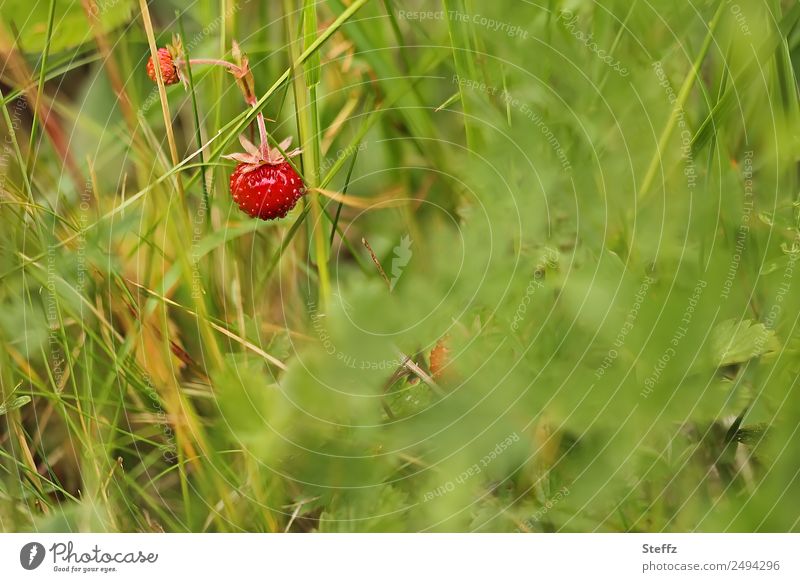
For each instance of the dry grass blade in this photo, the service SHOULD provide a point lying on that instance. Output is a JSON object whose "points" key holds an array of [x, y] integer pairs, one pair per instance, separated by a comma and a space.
{"points": [[388, 200]]}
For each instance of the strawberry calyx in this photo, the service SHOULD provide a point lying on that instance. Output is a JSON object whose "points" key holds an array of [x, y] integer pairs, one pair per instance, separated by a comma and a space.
{"points": [[256, 156]]}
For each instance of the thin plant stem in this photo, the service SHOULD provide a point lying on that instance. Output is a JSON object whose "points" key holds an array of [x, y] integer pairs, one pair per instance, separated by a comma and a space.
{"points": [[680, 103]]}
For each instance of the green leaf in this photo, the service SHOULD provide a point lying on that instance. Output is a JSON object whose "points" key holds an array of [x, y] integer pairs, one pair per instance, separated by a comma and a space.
{"points": [[312, 65], [737, 342], [18, 402], [71, 26]]}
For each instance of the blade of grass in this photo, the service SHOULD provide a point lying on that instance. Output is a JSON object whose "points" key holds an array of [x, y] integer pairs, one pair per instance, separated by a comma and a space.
{"points": [[162, 93], [308, 124], [449, 101], [708, 128], [614, 46], [344, 191], [680, 103], [412, 110], [197, 130], [12, 134], [460, 39], [42, 71]]}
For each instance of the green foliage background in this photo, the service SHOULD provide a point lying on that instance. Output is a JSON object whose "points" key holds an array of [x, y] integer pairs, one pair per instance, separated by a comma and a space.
{"points": [[599, 207]]}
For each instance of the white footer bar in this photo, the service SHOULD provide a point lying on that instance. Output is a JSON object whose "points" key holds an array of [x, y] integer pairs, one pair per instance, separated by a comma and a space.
{"points": [[400, 557]]}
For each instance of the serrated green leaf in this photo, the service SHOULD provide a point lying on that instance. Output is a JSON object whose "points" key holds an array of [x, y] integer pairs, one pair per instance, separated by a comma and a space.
{"points": [[737, 342]]}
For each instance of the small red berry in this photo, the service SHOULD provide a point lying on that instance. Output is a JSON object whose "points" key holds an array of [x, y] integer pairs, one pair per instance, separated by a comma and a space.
{"points": [[264, 185], [169, 71], [268, 192]]}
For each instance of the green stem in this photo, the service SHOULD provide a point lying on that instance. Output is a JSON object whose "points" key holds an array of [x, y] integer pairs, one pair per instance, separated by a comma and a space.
{"points": [[344, 191], [215, 62], [198, 133], [464, 65], [320, 240], [680, 103], [308, 123], [40, 88]]}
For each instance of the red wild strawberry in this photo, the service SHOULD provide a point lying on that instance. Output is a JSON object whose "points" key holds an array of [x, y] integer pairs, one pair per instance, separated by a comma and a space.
{"points": [[264, 184], [169, 72]]}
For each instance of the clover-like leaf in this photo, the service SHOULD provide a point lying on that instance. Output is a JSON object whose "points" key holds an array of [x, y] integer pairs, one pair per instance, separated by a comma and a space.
{"points": [[737, 342]]}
